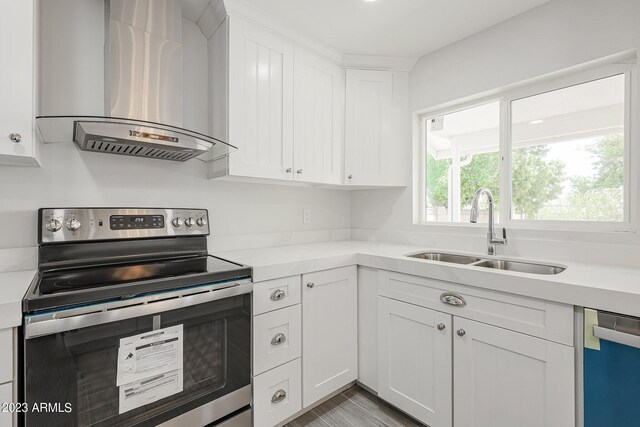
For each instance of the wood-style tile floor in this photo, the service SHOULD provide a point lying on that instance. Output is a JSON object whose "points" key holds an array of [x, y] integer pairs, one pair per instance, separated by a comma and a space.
{"points": [[354, 407]]}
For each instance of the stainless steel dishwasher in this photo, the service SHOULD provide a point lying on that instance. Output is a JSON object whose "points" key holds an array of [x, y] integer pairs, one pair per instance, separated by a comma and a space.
{"points": [[611, 369]]}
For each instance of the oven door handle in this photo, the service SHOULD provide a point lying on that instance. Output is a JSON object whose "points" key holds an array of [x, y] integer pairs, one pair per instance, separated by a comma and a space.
{"points": [[39, 325]]}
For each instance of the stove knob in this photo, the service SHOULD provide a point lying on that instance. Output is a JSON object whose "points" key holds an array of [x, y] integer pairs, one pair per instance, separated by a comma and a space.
{"points": [[201, 222], [177, 221], [53, 225], [73, 224], [190, 222]]}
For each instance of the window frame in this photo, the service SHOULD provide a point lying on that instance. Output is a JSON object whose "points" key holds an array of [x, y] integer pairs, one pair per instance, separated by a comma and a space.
{"points": [[626, 66]]}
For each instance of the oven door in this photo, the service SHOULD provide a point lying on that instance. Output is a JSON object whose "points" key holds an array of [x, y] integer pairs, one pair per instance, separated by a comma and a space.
{"points": [[71, 362]]}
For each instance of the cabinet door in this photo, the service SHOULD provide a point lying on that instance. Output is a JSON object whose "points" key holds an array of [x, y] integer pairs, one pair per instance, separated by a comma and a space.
{"points": [[318, 112], [16, 82], [505, 378], [329, 332], [260, 102], [368, 127], [415, 360]]}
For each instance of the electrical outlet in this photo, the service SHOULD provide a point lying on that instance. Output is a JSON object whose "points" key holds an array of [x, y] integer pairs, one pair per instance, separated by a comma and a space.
{"points": [[306, 216]]}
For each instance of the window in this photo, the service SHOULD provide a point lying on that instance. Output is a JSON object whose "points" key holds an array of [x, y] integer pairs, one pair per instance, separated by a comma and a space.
{"points": [[462, 155], [553, 154], [567, 151]]}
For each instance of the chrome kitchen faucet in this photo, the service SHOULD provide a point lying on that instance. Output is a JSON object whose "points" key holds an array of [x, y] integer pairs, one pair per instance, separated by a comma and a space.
{"points": [[492, 240]]}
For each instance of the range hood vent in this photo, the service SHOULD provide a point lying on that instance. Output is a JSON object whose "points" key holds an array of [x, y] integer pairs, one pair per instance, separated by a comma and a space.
{"points": [[117, 135], [144, 93]]}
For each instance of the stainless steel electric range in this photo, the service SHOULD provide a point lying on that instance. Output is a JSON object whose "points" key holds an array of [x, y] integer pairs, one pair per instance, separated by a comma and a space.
{"points": [[130, 322]]}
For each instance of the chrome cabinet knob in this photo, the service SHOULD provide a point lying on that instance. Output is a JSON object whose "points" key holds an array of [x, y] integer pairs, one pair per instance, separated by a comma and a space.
{"points": [[53, 225], [440, 326], [190, 222], [278, 294], [278, 339], [310, 285], [460, 332], [73, 224], [288, 170], [177, 221], [278, 396], [201, 222], [15, 137], [299, 171], [350, 177]]}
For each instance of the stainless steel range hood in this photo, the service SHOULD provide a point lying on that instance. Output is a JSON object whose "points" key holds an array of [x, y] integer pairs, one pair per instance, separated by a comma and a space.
{"points": [[151, 52]]}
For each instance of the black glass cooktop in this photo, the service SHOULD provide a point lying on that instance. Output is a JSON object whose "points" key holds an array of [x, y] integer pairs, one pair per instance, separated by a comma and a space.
{"points": [[72, 286]]}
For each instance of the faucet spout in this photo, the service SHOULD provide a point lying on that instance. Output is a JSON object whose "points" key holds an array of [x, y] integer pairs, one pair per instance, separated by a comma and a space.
{"points": [[492, 240]]}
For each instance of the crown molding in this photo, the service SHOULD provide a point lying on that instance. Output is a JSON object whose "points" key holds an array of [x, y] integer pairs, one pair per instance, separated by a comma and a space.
{"points": [[375, 62], [248, 12], [212, 16]]}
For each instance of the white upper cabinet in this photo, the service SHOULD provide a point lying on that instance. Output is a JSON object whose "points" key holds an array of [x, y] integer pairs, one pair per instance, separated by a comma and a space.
{"points": [[369, 135], [318, 117], [260, 102], [284, 105], [329, 332], [505, 378], [17, 139]]}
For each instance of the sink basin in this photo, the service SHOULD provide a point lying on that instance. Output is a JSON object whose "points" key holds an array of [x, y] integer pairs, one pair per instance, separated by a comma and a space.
{"points": [[445, 257], [496, 264], [521, 267]]}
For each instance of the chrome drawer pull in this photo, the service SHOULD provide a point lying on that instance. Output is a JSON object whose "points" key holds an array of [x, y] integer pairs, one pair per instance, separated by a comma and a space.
{"points": [[453, 299], [278, 339], [279, 396], [278, 294]]}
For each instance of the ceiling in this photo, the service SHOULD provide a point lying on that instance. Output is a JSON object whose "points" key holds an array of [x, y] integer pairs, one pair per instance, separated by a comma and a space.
{"points": [[393, 27]]}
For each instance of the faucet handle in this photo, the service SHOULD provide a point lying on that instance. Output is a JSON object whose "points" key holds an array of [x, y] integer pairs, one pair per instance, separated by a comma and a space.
{"points": [[494, 240], [504, 236]]}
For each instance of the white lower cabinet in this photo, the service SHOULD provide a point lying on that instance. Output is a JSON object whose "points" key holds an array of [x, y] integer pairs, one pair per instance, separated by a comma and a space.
{"points": [[318, 323], [6, 355], [446, 366], [329, 332], [6, 396], [415, 360], [505, 378], [277, 394]]}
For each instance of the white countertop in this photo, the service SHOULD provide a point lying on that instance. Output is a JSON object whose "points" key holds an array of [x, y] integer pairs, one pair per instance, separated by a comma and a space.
{"points": [[602, 287], [13, 286]]}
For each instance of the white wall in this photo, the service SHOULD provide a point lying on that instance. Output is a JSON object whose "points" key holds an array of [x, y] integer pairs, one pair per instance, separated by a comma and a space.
{"points": [[554, 36], [242, 215]]}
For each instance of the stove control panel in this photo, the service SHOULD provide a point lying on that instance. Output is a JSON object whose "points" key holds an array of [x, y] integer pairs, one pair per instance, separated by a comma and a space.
{"points": [[81, 224]]}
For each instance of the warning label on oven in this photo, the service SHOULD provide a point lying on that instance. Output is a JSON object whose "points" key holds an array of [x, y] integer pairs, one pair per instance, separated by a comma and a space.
{"points": [[149, 367]]}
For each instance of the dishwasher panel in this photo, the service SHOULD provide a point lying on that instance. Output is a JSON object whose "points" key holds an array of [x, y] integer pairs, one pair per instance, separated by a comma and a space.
{"points": [[611, 370]]}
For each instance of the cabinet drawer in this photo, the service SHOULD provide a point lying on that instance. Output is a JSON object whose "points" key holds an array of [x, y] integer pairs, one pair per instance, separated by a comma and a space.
{"points": [[277, 394], [6, 355], [274, 294], [539, 318], [277, 338]]}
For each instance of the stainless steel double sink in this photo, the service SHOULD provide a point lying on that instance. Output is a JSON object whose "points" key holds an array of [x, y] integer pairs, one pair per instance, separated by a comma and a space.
{"points": [[494, 263]]}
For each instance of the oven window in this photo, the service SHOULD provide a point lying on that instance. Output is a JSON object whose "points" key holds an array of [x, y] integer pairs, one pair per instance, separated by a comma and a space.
{"points": [[80, 366]]}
